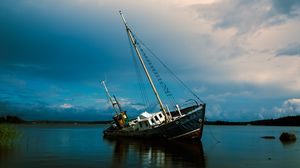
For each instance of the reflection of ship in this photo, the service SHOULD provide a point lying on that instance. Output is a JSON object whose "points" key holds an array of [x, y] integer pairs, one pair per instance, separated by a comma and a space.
{"points": [[130, 152], [180, 123]]}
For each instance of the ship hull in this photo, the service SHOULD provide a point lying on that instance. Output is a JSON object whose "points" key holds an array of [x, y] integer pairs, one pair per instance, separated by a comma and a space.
{"points": [[189, 126]]}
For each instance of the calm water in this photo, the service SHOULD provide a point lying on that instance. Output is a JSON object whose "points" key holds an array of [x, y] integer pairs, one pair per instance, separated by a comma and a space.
{"points": [[83, 146]]}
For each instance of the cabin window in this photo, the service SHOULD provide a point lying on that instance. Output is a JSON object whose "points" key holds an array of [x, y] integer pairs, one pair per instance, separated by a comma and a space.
{"points": [[152, 120], [141, 125], [146, 123], [160, 116], [156, 118]]}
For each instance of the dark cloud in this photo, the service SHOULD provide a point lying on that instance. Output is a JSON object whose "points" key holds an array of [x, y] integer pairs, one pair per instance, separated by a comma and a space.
{"points": [[287, 7], [51, 52], [59, 44], [291, 50], [248, 15]]}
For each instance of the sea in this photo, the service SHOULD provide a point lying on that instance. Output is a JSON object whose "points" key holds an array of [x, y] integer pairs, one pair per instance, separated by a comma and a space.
{"points": [[83, 146]]}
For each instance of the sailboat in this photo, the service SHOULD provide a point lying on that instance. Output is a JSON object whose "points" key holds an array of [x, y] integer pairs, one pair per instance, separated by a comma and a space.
{"points": [[181, 123]]}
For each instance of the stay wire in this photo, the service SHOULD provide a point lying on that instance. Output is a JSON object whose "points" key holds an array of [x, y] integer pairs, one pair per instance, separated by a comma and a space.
{"points": [[212, 134], [176, 77], [158, 77], [140, 79]]}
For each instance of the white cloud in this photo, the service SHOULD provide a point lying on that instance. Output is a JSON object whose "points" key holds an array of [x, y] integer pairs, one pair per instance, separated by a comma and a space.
{"points": [[223, 96], [66, 106], [101, 101], [128, 103], [218, 112], [125, 103], [200, 90], [290, 107], [215, 112], [193, 2]]}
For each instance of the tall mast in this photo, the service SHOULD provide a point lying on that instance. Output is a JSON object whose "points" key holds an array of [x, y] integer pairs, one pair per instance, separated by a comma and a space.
{"points": [[109, 97], [133, 41]]}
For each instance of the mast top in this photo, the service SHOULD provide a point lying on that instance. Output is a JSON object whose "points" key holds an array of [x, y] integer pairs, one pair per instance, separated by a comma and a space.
{"points": [[109, 97], [123, 18]]}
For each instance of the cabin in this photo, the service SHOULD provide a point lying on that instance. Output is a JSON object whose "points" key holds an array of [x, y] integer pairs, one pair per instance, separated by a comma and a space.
{"points": [[147, 120]]}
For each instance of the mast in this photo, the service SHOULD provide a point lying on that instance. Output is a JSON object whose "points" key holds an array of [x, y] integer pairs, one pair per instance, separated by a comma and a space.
{"points": [[118, 104], [110, 98], [133, 41]]}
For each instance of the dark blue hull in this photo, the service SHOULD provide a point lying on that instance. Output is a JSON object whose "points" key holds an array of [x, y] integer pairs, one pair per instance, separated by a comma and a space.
{"points": [[190, 126]]}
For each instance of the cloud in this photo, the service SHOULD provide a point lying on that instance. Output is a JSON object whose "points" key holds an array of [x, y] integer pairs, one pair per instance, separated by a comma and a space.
{"points": [[223, 112], [287, 7], [66, 106], [12, 80], [221, 97], [44, 111], [131, 104], [291, 50], [290, 107], [40, 38], [253, 110], [215, 112], [200, 89], [27, 66], [247, 16], [245, 40]]}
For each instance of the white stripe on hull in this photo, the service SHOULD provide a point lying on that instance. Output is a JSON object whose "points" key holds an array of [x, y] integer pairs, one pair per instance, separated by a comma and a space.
{"points": [[178, 136]]}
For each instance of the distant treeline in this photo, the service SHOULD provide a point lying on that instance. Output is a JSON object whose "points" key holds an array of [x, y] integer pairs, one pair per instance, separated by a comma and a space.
{"points": [[284, 121], [18, 120], [11, 119]]}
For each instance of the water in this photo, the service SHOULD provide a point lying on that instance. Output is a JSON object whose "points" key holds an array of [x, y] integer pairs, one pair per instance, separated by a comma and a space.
{"points": [[83, 146]]}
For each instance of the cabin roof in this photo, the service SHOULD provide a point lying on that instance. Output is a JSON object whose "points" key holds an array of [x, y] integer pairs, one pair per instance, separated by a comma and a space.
{"points": [[145, 115]]}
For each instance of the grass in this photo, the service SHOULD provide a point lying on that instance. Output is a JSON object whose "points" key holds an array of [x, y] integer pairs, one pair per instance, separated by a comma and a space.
{"points": [[8, 133]]}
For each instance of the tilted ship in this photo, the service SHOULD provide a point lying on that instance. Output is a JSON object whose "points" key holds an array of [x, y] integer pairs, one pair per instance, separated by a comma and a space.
{"points": [[180, 123]]}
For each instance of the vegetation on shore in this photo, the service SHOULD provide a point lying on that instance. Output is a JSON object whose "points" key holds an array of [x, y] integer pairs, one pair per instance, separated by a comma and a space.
{"points": [[284, 121], [8, 133], [18, 120]]}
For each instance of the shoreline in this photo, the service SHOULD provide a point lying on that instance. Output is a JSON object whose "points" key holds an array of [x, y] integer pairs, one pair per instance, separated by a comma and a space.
{"points": [[284, 121]]}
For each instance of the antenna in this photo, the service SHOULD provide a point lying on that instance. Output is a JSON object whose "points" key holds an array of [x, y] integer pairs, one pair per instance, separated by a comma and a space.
{"points": [[123, 18], [108, 95]]}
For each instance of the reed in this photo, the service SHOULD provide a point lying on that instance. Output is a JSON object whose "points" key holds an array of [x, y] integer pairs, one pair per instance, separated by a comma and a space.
{"points": [[8, 133]]}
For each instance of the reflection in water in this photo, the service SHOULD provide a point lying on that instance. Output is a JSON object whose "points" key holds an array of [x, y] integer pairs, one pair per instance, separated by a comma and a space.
{"points": [[287, 144], [6, 152], [155, 153], [49, 146]]}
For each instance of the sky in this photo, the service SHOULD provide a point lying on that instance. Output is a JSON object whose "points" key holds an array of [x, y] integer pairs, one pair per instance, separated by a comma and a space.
{"points": [[242, 58]]}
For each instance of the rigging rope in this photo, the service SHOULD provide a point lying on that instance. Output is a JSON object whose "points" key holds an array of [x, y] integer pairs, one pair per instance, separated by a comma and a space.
{"points": [[158, 76], [164, 87], [211, 133], [140, 79], [170, 71]]}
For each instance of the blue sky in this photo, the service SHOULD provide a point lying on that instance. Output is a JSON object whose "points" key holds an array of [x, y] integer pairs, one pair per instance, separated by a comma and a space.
{"points": [[241, 57]]}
